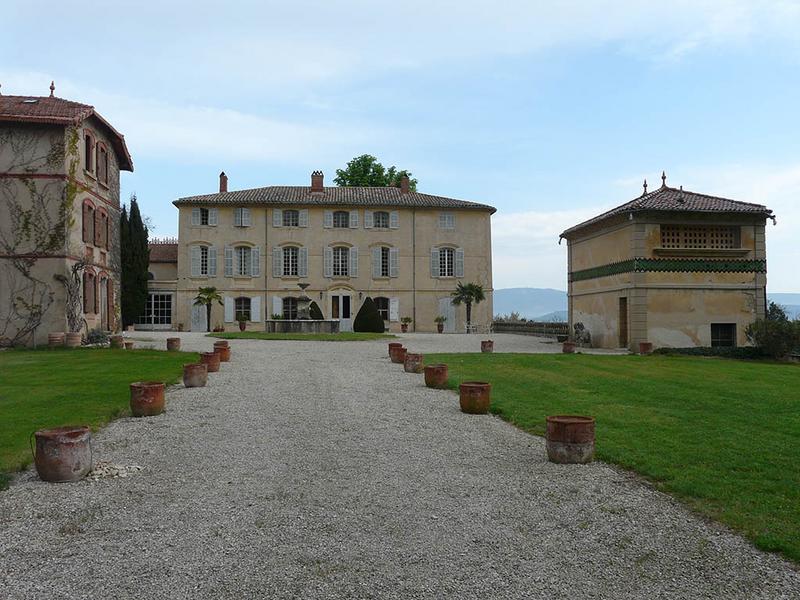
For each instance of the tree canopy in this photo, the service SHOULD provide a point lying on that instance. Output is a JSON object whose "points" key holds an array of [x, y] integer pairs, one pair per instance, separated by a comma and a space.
{"points": [[135, 262], [468, 294], [366, 171]]}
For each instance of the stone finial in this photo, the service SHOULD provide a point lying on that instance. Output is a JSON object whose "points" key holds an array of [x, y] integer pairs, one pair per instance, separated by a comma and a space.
{"points": [[644, 187], [663, 179], [52, 88]]}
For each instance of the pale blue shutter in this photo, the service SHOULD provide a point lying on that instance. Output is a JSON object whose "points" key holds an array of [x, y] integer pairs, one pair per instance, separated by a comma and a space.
{"points": [[376, 259], [277, 217], [394, 267], [368, 220], [394, 309], [353, 262], [459, 266], [277, 261], [246, 217], [327, 263], [195, 216], [255, 309], [302, 218], [229, 310], [434, 262], [327, 220], [228, 261], [394, 220], [277, 306], [213, 216], [302, 262], [353, 219], [255, 265], [194, 253], [212, 262], [237, 217]]}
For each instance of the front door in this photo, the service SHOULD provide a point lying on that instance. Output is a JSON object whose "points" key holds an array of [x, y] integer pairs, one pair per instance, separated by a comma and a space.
{"points": [[199, 317], [448, 311], [340, 309]]}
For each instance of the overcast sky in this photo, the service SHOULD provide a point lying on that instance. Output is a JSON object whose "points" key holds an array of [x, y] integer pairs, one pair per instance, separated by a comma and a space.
{"points": [[550, 111]]}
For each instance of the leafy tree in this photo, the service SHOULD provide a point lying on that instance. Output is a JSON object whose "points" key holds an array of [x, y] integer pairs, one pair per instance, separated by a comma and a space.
{"points": [[206, 296], [314, 312], [366, 171], [135, 261], [468, 294], [368, 318], [776, 335]]}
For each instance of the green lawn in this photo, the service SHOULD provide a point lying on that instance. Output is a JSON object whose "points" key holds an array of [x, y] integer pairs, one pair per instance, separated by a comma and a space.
{"points": [[48, 388], [722, 435], [306, 337]]}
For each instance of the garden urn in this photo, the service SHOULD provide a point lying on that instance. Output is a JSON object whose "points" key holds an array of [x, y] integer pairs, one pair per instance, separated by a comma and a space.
{"points": [[487, 346], [174, 344], [72, 339], [436, 376], [195, 375], [211, 361], [224, 353], [63, 453], [474, 397], [413, 363], [147, 398], [570, 439], [398, 355], [242, 325], [394, 345], [440, 327], [128, 345], [55, 339], [117, 341], [404, 327], [645, 347], [568, 347]]}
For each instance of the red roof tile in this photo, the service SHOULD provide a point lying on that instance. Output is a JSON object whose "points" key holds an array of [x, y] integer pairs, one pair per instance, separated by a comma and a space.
{"points": [[163, 253]]}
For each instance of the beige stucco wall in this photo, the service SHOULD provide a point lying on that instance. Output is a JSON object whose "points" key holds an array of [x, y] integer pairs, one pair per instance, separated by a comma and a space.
{"points": [[667, 308], [417, 293]]}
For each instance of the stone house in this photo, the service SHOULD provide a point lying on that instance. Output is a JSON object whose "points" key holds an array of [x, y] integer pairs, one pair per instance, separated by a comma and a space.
{"points": [[672, 267], [60, 164], [406, 250]]}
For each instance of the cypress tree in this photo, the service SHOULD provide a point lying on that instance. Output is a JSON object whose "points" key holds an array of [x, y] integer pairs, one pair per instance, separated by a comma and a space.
{"points": [[368, 318], [135, 259]]}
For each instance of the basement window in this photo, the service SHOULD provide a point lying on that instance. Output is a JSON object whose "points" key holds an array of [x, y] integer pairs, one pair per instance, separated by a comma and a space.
{"points": [[723, 335]]}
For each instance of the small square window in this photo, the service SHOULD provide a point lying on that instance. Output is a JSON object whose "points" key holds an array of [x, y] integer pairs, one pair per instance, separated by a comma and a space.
{"points": [[723, 335]]}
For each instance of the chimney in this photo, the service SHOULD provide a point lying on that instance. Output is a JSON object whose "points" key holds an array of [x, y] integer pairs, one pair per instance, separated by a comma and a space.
{"points": [[404, 184], [316, 182], [223, 183]]}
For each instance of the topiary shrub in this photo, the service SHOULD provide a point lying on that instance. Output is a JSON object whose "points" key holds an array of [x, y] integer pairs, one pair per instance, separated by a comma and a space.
{"points": [[368, 318], [315, 312]]}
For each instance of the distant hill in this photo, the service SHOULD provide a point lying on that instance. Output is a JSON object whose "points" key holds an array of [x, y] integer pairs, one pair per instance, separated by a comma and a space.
{"points": [[546, 304]]}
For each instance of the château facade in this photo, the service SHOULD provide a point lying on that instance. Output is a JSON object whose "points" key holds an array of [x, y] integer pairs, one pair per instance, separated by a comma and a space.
{"points": [[407, 250]]}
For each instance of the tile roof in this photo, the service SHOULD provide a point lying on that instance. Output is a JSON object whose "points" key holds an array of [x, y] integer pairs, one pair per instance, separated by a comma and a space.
{"points": [[163, 253], [671, 199], [333, 196], [57, 111]]}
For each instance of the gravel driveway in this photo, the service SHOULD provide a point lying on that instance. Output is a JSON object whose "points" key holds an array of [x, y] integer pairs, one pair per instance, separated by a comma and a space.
{"points": [[320, 470]]}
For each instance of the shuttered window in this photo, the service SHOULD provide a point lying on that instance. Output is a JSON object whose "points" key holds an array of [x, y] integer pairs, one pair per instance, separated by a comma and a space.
{"points": [[291, 218], [380, 219], [242, 308], [341, 261], [290, 261], [88, 223], [383, 307], [341, 218]]}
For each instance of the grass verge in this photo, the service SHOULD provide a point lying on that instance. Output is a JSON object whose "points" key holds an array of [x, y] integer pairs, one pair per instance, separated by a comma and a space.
{"points": [[305, 337], [722, 435], [49, 388]]}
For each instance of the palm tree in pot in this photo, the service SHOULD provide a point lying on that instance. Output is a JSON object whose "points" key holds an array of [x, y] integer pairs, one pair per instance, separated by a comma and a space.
{"points": [[468, 294], [206, 296]]}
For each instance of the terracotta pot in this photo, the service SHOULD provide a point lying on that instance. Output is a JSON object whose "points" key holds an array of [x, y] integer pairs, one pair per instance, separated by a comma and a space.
{"points": [[242, 325], [568, 347], [474, 397], [130, 328], [55, 339], [487, 346], [224, 353], [72, 340], [645, 347], [211, 361], [570, 439], [128, 345], [63, 453], [440, 327], [394, 345], [117, 341], [221, 344], [195, 375], [403, 327], [147, 398], [398, 355], [173, 344], [413, 363], [436, 376]]}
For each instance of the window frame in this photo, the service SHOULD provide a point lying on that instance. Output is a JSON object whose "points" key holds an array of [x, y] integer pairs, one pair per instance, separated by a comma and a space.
{"points": [[240, 258], [89, 152], [289, 308], [724, 336], [290, 261], [88, 224], [204, 255], [101, 154], [241, 310], [447, 261], [338, 219], [290, 218], [383, 312], [447, 221], [383, 215], [341, 257]]}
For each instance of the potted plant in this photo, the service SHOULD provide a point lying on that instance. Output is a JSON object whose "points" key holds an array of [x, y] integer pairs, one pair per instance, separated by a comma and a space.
{"points": [[404, 323], [276, 316], [439, 320], [242, 323]]}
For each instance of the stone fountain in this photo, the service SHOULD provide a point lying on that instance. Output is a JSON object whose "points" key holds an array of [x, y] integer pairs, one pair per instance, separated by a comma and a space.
{"points": [[303, 303], [303, 323]]}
